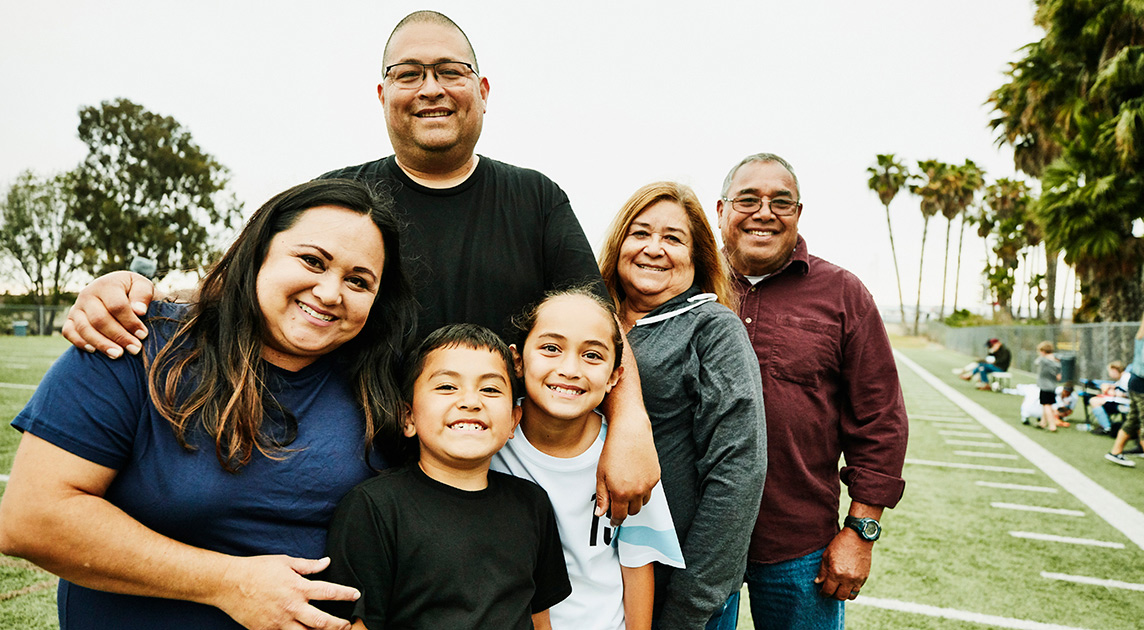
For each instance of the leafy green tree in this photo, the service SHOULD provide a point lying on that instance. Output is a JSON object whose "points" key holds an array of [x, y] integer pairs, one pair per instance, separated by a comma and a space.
{"points": [[957, 187], [1073, 109], [1005, 217], [40, 236], [929, 189], [147, 189], [887, 177]]}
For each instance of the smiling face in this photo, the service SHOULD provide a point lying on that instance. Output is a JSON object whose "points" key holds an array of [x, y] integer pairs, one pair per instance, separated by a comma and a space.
{"points": [[759, 243], [462, 410], [317, 284], [655, 257], [432, 127], [568, 360]]}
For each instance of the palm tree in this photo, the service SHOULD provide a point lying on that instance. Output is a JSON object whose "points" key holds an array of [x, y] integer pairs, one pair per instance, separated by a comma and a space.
{"points": [[929, 189], [971, 181], [887, 177], [1006, 203]]}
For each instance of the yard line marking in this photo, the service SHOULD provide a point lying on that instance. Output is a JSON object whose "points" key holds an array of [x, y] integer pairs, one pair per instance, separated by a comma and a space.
{"points": [[1080, 579], [4, 478], [990, 455], [17, 386], [1015, 486], [958, 615], [1035, 508], [938, 417], [967, 423], [927, 462], [967, 434], [981, 444], [16, 366], [1117, 512], [1067, 539]]}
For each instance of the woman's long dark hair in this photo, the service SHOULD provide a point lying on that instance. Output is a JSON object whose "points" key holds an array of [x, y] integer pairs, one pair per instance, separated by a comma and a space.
{"points": [[210, 373]]}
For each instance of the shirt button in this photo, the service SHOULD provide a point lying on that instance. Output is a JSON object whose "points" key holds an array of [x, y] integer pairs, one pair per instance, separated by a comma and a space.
{"points": [[748, 320]]}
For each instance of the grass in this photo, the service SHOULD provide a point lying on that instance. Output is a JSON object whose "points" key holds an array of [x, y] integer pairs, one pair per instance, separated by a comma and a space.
{"points": [[944, 545]]}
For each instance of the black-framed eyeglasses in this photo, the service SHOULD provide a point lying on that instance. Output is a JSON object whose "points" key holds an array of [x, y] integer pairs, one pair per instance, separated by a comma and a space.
{"points": [[751, 205], [410, 74]]}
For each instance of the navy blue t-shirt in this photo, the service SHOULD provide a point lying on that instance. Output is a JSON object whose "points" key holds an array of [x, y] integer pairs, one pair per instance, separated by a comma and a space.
{"points": [[99, 409]]}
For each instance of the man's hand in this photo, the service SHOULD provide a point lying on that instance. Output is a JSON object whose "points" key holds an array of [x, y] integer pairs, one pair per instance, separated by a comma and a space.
{"points": [[106, 314], [845, 565], [269, 593], [628, 470]]}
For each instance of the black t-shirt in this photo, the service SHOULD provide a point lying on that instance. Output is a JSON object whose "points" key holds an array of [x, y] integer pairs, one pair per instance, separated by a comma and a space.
{"points": [[481, 251], [427, 555]]}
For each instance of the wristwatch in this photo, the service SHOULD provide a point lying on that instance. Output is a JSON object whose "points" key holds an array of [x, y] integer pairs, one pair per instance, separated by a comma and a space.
{"points": [[868, 528]]}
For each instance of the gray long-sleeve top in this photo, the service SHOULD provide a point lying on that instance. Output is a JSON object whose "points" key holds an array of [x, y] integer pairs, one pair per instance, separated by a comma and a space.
{"points": [[702, 390]]}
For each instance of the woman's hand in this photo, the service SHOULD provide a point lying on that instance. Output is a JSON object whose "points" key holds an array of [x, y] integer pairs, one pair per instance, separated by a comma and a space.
{"points": [[269, 593], [106, 314]]}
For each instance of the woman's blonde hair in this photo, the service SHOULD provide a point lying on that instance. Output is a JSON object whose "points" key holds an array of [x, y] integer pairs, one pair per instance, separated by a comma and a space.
{"points": [[710, 269]]}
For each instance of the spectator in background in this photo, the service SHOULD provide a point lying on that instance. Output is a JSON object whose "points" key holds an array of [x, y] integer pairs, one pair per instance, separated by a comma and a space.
{"points": [[1065, 403], [997, 361], [1135, 391], [1112, 395], [1048, 373]]}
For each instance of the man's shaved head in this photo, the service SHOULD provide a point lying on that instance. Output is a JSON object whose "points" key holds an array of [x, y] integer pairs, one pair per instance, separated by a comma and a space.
{"points": [[429, 17]]}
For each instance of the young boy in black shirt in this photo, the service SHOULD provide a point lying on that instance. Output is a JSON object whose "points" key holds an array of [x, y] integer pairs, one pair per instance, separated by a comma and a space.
{"points": [[445, 543]]}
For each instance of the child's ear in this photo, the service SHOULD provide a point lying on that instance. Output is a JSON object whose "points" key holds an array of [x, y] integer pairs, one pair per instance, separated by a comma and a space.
{"points": [[516, 414], [407, 427], [617, 374], [517, 361]]}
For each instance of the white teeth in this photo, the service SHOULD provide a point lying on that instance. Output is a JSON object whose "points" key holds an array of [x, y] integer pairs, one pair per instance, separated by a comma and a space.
{"points": [[761, 232], [650, 268], [312, 313], [433, 114], [467, 426], [564, 390]]}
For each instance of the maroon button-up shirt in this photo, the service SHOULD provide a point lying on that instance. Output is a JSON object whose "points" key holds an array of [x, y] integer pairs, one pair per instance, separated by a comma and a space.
{"points": [[830, 388]]}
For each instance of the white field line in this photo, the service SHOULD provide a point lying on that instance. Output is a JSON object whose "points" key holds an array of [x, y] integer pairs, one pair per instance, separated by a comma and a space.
{"points": [[989, 455], [1067, 539], [966, 422], [967, 434], [1108, 506], [1014, 486], [958, 615], [4, 478], [927, 462], [1080, 579], [1035, 508], [938, 417], [978, 444], [17, 386]]}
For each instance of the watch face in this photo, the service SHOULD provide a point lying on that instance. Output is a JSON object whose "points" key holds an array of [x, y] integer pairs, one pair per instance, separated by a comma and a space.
{"points": [[870, 529]]}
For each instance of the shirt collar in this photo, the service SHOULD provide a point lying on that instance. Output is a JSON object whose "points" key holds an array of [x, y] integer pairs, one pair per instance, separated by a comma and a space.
{"points": [[799, 262]]}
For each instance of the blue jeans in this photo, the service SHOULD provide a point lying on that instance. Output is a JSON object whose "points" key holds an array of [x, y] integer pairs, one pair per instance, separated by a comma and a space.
{"points": [[983, 370], [784, 596], [726, 618]]}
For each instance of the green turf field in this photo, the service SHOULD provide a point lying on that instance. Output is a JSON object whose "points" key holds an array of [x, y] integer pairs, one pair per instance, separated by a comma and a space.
{"points": [[946, 550]]}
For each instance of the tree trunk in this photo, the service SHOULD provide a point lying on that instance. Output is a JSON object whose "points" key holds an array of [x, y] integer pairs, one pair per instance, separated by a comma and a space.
{"points": [[957, 274], [921, 264], [1051, 256], [945, 269], [897, 274]]}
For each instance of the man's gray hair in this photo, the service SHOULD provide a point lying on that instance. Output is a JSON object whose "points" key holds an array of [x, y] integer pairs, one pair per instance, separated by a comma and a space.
{"points": [[759, 157]]}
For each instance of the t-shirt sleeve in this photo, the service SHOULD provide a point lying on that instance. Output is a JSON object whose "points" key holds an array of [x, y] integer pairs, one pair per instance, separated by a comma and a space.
{"points": [[360, 548], [650, 535], [568, 258], [90, 406], [551, 573]]}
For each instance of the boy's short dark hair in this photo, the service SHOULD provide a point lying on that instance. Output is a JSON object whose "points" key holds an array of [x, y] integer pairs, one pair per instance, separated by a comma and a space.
{"points": [[451, 336]]}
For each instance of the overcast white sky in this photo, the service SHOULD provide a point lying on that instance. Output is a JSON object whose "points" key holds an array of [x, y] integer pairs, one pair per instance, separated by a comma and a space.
{"points": [[603, 97]]}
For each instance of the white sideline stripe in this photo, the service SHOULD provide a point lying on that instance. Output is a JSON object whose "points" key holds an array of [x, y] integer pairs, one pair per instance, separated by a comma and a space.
{"points": [[1108, 506], [1015, 486], [1035, 508], [1067, 539], [967, 434], [17, 386], [958, 615], [962, 420], [989, 455], [1080, 579], [927, 462], [4, 478], [980, 444], [938, 417]]}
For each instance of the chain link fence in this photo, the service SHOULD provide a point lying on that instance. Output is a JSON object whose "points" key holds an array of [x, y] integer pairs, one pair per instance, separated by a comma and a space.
{"points": [[1095, 345], [31, 319]]}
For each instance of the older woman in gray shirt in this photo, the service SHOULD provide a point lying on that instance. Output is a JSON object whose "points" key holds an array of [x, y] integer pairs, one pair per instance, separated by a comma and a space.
{"points": [[702, 390]]}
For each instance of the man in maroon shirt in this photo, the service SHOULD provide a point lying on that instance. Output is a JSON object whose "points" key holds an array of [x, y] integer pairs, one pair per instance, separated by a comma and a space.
{"points": [[831, 389]]}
